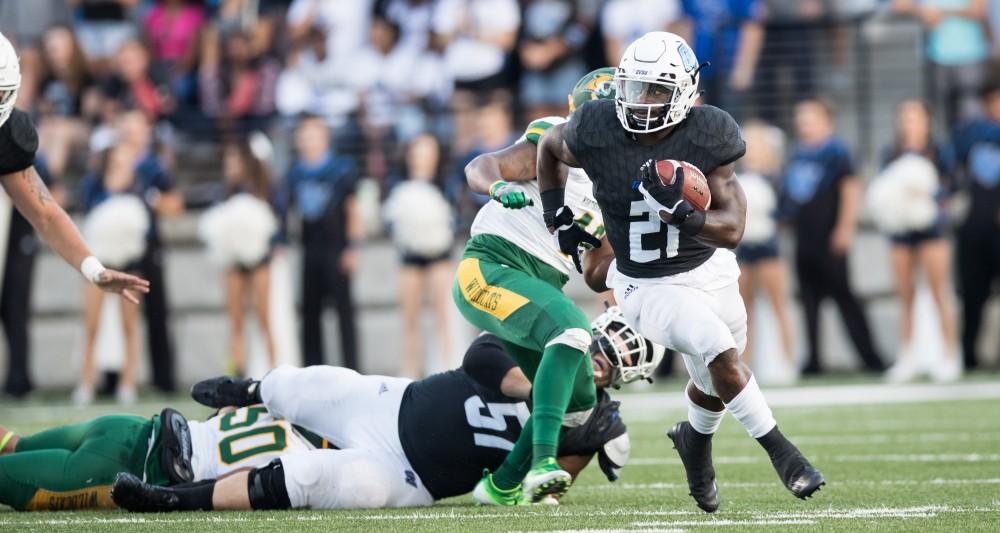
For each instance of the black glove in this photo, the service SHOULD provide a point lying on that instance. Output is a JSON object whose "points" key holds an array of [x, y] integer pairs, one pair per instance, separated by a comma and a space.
{"points": [[604, 433], [660, 197], [569, 235]]}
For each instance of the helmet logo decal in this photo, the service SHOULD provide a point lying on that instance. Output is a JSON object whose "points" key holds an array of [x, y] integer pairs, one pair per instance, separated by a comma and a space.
{"points": [[687, 56], [603, 86]]}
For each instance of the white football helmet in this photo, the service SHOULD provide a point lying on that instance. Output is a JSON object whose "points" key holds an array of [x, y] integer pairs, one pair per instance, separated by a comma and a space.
{"points": [[10, 78], [632, 356], [656, 82]]}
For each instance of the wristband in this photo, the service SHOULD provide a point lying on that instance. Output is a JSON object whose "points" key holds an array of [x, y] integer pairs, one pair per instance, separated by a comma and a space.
{"points": [[6, 438], [553, 199], [91, 268], [496, 185], [692, 224]]}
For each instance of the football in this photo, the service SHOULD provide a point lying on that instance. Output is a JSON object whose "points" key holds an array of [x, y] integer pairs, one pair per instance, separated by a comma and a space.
{"points": [[695, 184]]}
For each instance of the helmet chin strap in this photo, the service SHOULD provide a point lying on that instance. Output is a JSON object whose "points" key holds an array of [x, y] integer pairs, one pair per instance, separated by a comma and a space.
{"points": [[695, 72]]}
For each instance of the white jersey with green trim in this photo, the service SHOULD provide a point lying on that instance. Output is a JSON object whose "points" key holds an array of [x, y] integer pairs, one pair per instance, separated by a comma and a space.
{"points": [[525, 227], [247, 437]]}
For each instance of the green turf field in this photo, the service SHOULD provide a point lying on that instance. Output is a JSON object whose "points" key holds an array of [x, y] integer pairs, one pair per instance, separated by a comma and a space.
{"points": [[927, 466]]}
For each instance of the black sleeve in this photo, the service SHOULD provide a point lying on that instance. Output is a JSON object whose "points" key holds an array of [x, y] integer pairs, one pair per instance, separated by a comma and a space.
{"points": [[18, 143], [845, 163], [571, 130], [717, 132], [487, 362], [604, 425]]}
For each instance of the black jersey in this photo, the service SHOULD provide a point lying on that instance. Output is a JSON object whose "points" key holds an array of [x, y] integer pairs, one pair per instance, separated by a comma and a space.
{"points": [[454, 424], [18, 143], [644, 246]]}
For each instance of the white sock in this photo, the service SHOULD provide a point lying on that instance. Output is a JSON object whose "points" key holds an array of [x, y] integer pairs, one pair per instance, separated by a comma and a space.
{"points": [[750, 408], [702, 420]]}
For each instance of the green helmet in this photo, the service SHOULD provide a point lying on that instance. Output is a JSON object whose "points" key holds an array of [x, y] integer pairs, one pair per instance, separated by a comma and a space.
{"points": [[595, 85]]}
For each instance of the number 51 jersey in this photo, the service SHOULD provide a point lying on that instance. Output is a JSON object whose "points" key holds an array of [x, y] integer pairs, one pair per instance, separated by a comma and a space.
{"points": [[454, 424], [246, 437], [644, 246]]}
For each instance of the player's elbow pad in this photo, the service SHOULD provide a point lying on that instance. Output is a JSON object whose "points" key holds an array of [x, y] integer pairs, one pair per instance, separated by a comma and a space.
{"points": [[614, 455]]}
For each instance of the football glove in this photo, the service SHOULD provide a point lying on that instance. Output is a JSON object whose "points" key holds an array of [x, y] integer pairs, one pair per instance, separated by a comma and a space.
{"points": [[660, 197], [569, 235], [509, 195], [603, 433]]}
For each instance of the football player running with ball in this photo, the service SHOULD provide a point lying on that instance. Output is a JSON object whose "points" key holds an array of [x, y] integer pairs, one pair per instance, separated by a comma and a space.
{"points": [[674, 275], [18, 144], [509, 283]]}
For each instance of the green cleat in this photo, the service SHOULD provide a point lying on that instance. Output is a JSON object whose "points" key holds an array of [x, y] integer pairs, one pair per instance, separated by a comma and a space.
{"points": [[546, 478], [487, 493]]}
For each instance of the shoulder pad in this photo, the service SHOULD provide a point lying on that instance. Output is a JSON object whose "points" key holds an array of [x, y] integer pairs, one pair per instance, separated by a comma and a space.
{"points": [[592, 125], [537, 127], [716, 130]]}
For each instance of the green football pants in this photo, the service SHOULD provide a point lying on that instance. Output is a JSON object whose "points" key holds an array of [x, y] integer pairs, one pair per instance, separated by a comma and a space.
{"points": [[72, 467]]}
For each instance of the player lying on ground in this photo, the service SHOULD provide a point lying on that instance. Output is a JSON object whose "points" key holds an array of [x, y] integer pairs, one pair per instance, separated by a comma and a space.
{"points": [[402, 442], [509, 283], [674, 276], [18, 144], [73, 466]]}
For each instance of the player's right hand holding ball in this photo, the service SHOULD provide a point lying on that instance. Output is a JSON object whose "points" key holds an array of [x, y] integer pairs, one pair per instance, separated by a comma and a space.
{"points": [[664, 195]]}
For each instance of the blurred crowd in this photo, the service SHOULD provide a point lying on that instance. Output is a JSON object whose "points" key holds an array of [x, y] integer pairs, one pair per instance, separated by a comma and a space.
{"points": [[294, 106]]}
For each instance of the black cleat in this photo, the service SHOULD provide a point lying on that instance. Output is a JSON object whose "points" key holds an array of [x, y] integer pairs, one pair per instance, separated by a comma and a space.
{"points": [[799, 476], [695, 450], [225, 391], [131, 494]]}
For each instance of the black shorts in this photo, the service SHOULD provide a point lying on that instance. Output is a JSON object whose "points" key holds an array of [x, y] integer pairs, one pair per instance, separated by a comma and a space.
{"points": [[913, 239], [250, 269], [750, 253], [419, 261]]}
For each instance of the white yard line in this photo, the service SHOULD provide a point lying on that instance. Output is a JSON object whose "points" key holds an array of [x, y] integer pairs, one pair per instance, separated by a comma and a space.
{"points": [[725, 522], [764, 485], [842, 458], [832, 395], [659, 518]]}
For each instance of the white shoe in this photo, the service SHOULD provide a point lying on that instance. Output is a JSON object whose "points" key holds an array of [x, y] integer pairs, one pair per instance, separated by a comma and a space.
{"points": [[83, 395], [903, 370], [948, 370], [125, 395]]}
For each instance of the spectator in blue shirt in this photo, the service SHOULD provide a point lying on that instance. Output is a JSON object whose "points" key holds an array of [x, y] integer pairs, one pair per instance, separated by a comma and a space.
{"points": [[821, 195], [321, 186], [977, 151], [729, 35]]}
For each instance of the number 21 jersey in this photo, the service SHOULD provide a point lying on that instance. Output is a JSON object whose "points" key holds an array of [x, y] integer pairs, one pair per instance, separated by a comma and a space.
{"points": [[644, 246]]}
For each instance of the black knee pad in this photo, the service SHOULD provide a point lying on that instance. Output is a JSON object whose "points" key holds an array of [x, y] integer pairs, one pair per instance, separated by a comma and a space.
{"points": [[266, 486]]}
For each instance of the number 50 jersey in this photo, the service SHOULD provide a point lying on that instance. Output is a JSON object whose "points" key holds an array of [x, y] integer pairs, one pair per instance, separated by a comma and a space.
{"points": [[246, 437]]}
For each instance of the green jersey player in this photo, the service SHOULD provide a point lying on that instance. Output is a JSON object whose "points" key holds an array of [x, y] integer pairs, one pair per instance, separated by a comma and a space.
{"points": [[509, 283], [73, 466]]}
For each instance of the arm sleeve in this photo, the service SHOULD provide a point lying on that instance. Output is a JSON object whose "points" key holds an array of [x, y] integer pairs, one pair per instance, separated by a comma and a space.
{"points": [[729, 144], [844, 164], [571, 132], [487, 362], [18, 143], [162, 181]]}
